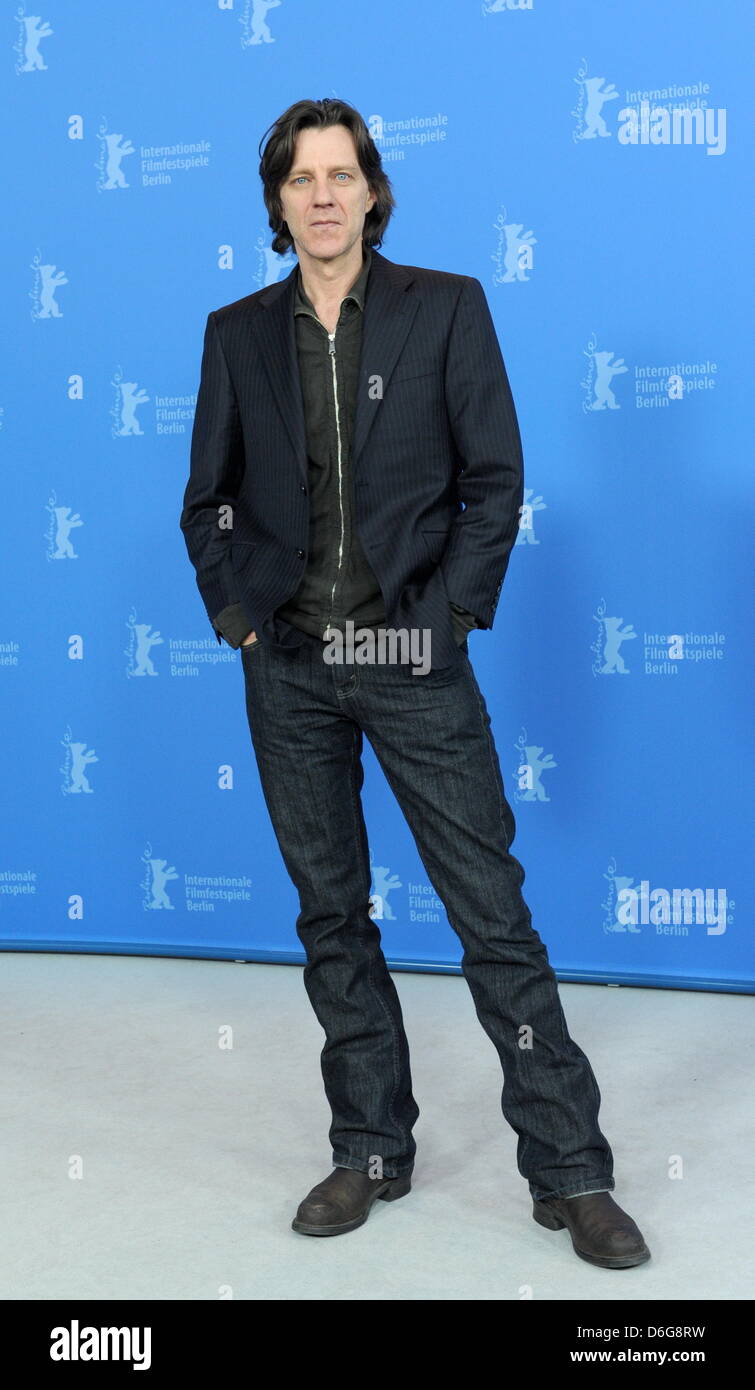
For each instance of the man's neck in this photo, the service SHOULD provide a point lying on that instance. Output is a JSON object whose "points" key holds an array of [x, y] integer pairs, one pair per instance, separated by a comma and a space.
{"points": [[324, 287]]}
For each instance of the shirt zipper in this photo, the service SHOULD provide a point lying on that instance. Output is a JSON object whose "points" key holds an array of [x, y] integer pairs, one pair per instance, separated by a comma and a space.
{"points": [[332, 351], [332, 354]]}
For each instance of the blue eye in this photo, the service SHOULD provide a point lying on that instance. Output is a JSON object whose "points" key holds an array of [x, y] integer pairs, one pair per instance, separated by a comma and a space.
{"points": [[344, 174]]}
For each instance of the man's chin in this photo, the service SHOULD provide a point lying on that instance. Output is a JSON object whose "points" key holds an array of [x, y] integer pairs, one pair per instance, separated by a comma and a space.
{"points": [[325, 248]]}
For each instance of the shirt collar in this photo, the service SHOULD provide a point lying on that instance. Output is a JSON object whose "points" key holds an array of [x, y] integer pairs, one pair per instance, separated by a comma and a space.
{"points": [[303, 304]]}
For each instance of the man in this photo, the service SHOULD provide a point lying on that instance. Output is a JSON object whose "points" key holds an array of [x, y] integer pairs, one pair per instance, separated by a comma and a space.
{"points": [[356, 461]]}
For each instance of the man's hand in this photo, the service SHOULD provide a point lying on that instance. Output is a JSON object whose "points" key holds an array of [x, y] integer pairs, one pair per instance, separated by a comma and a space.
{"points": [[252, 637]]}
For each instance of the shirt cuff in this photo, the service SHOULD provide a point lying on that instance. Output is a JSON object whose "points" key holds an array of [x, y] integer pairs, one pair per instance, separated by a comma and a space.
{"points": [[463, 622], [233, 624]]}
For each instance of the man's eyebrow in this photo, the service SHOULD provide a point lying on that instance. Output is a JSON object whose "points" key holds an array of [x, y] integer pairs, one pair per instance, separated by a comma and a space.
{"points": [[341, 168]]}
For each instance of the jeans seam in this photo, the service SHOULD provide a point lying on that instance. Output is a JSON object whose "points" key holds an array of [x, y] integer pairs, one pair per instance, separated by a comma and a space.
{"points": [[486, 733], [376, 992], [526, 1143], [497, 776]]}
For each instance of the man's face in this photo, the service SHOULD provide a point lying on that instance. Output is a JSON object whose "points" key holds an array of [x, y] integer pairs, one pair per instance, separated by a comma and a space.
{"points": [[325, 197]]}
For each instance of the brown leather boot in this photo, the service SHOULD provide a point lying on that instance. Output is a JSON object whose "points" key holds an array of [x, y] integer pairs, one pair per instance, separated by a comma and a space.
{"points": [[342, 1201], [601, 1232]]}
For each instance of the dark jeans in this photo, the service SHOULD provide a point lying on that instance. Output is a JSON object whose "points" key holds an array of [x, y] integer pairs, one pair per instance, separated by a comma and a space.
{"points": [[431, 734]]}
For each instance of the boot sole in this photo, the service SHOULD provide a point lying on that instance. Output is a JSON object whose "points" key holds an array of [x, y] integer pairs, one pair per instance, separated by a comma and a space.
{"points": [[548, 1218], [398, 1188]]}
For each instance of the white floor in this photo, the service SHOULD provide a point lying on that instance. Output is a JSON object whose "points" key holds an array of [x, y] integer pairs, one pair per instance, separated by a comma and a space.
{"points": [[194, 1157]]}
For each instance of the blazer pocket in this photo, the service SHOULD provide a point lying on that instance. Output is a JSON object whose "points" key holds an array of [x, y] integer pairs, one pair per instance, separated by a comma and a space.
{"points": [[435, 542], [409, 371], [240, 553]]}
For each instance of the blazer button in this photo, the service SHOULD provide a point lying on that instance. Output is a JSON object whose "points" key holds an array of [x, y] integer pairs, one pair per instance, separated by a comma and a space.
{"points": [[300, 554], [302, 487]]}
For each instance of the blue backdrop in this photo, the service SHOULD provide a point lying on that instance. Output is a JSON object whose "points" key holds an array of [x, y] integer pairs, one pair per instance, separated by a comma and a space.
{"points": [[587, 164]]}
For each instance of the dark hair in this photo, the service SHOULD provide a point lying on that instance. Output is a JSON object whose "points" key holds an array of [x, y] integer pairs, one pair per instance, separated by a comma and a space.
{"points": [[278, 156]]}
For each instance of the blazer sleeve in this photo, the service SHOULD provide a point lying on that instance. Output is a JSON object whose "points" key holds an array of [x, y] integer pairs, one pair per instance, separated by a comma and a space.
{"points": [[217, 467], [490, 481]]}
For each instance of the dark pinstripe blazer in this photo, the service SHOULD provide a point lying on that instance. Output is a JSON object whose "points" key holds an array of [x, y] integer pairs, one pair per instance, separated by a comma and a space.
{"points": [[436, 459]]}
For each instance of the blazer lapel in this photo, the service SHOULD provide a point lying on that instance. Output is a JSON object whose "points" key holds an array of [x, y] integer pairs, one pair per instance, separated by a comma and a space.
{"points": [[388, 315], [274, 325]]}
